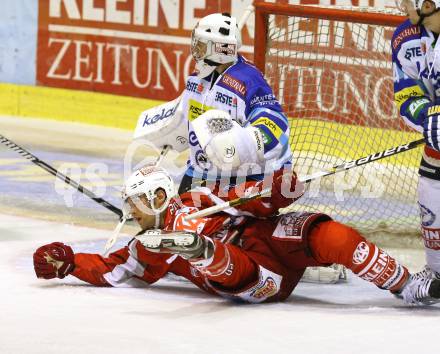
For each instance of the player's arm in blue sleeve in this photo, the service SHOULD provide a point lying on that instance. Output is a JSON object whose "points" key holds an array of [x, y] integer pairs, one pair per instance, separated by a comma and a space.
{"points": [[264, 112], [410, 97], [415, 105]]}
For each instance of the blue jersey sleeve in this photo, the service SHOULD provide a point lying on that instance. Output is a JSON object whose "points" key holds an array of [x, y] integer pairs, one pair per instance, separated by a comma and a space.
{"points": [[265, 113], [410, 94]]}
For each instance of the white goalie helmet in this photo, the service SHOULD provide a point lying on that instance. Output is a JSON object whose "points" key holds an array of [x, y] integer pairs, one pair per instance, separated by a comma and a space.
{"points": [[215, 40], [146, 181]]}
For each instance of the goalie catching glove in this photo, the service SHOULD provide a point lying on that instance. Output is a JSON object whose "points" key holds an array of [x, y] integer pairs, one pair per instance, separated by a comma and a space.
{"points": [[55, 260], [225, 142]]}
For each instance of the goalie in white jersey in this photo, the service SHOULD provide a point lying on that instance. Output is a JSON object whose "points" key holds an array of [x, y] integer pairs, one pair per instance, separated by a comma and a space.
{"points": [[416, 64], [244, 131]]}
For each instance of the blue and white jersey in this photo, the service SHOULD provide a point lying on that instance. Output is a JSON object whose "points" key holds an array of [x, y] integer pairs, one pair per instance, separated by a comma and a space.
{"points": [[242, 91], [416, 66]]}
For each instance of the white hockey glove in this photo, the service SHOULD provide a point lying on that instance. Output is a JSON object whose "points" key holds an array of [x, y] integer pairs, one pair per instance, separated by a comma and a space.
{"points": [[225, 142]]}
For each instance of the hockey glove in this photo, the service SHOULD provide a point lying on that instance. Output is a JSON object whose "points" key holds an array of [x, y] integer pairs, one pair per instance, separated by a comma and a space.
{"points": [[431, 129], [286, 188], [55, 260]]}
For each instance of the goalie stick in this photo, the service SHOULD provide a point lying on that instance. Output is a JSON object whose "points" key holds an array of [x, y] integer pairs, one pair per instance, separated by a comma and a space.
{"points": [[27, 155], [306, 179]]}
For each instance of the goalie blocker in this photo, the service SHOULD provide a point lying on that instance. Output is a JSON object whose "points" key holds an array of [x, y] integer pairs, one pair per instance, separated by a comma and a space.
{"points": [[164, 125]]}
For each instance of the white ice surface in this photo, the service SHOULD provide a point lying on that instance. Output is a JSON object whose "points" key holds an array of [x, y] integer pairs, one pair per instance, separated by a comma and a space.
{"points": [[68, 316]]}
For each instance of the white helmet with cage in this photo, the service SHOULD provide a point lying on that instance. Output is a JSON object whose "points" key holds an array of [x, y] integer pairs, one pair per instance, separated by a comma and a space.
{"points": [[146, 181], [215, 40]]}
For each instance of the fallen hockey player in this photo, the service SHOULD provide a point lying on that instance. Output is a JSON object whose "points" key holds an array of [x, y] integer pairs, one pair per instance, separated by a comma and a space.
{"points": [[246, 253]]}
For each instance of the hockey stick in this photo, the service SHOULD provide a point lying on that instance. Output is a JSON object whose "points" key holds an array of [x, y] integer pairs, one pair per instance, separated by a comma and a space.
{"points": [[27, 155], [306, 179], [164, 151]]}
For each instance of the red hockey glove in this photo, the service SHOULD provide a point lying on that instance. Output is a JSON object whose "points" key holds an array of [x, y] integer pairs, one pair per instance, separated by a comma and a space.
{"points": [[286, 188], [54, 260]]}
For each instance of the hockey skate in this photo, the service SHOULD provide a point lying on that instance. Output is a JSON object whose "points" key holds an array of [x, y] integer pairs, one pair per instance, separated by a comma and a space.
{"points": [[420, 291], [188, 245], [427, 273]]}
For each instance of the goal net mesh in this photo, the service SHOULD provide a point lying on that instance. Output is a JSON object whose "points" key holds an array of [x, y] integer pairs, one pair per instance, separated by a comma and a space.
{"points": [[334, 80]]}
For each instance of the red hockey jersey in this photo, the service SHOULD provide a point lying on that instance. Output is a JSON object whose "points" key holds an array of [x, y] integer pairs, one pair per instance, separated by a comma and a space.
{"points": [[276, 244]]}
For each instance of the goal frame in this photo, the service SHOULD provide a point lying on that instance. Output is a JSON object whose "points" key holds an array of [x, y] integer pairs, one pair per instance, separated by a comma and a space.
{"points": [[264, 9]]}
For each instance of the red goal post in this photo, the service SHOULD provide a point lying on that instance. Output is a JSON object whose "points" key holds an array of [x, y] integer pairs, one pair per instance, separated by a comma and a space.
{"points": [[331, 70]]}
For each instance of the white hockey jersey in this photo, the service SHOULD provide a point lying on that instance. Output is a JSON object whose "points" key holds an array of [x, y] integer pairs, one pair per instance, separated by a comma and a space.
{"points": [[242, 91], [416, 66]]}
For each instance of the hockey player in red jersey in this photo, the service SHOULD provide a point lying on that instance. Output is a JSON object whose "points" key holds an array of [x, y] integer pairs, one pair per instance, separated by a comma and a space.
{"points": [[246, 253]]}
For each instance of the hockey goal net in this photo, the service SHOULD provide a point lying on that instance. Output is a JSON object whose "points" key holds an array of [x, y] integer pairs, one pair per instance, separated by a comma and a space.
{"points": [[331, 69]]}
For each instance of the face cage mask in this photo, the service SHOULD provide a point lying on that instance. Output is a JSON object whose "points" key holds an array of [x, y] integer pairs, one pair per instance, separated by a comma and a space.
{"points": [[196, 47]]}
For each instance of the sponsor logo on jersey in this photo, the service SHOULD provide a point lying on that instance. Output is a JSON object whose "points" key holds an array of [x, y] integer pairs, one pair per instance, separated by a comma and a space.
{"points": [[431, 238], [360, 255], [266, 138], [193, 141], [413, 52], [226, 99], [265, 289], [194, 87], [270, 124], [426, 215], [433, 110], [403, 95], [196, 109], [157, 117], [411, 31], [264, 100], [234, 84], [415, 107]]}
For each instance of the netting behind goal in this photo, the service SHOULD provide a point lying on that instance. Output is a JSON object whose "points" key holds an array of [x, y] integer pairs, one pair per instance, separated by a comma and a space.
{"points": [[332, 71]]}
